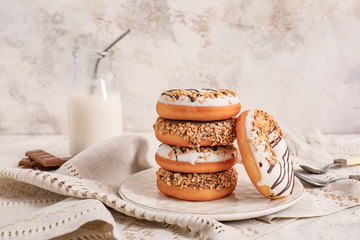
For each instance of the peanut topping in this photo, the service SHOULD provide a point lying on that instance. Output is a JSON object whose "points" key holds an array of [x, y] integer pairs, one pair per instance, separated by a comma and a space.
{"points": [[217, 180], [218, 132], [195, 95], [264, 125]]}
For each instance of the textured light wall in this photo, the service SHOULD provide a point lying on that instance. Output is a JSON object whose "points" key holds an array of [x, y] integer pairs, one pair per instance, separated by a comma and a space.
{"points": [[298, 60]]}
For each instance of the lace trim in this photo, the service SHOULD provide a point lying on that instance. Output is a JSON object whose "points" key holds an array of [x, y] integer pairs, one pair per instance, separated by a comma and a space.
{"points": [[44, 227], [35, 201], [345, 151], [73, 186], [72, 170]]}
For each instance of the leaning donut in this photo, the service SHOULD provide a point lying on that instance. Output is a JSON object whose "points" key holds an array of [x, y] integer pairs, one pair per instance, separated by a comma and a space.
{"points": [[264, 153], [195, 134], [196, 186], [198, 105], [191, 160]]}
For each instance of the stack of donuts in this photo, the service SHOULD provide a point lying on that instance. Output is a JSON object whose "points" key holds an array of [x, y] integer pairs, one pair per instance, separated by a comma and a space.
{"points": [[197, 129]]}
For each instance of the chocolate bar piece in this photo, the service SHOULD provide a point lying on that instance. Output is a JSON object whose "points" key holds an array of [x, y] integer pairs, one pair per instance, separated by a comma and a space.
{"points": [[29, 163], [45, 159]]}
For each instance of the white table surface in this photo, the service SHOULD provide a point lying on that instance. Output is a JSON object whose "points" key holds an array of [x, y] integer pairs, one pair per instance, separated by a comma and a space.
{"points": [[341, 225]]}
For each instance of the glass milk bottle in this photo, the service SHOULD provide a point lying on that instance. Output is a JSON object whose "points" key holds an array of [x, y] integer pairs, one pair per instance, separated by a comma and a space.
{"points": [[94, 106]]}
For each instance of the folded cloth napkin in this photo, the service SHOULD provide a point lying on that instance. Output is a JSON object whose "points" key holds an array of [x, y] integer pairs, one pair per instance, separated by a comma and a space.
{"points": [[110, 162], [54, 204], [80, 199]]}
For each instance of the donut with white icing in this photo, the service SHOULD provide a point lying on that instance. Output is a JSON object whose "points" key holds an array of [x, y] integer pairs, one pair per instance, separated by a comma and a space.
{"points": [[264, 153], [191, 160], [194, 133], [198, 104], [196, 186]]}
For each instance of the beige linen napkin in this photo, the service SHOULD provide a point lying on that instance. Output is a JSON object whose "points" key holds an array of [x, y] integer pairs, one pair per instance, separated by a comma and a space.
{"points": [[110, 162], [74, 197], [92, 176]]}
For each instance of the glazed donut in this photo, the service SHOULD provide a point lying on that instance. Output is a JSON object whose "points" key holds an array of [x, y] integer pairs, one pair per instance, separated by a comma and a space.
{"points": [[196, 186], [264, 153], [191, 160], [198, 105], [195, 134]]}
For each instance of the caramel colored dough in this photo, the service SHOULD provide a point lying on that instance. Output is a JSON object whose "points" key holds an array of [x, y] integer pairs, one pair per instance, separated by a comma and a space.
{"points": [[197, 113]]}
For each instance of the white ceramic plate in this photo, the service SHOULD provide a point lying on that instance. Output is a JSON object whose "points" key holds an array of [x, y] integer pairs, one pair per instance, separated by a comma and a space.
{"points": [[245, 202]]}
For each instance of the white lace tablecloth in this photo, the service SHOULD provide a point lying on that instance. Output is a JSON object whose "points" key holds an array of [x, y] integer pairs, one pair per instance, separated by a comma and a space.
{"points": [[65, 208]]}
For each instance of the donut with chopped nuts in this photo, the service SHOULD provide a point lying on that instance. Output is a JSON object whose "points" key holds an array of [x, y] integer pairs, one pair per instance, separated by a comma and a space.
{"points": [[195, 134], [264, 153], [192, 160], [196, 186], [198, 104]]}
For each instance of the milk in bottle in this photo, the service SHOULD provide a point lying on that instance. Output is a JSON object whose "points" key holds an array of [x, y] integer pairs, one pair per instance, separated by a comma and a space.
{"points": [[94, 106]]}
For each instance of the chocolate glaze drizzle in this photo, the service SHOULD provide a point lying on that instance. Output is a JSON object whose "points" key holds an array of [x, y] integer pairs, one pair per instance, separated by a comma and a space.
{"points": [[270, 168], [209, 89], [266, 136], [175, 152], [191, 90], [274, 142], [282, 169], [290, 174], [286, 170]]}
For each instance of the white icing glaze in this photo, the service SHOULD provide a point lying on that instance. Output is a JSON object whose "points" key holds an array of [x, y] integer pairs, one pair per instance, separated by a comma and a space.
{"points": [[283, 159], [209, 102], [166, 151]]}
